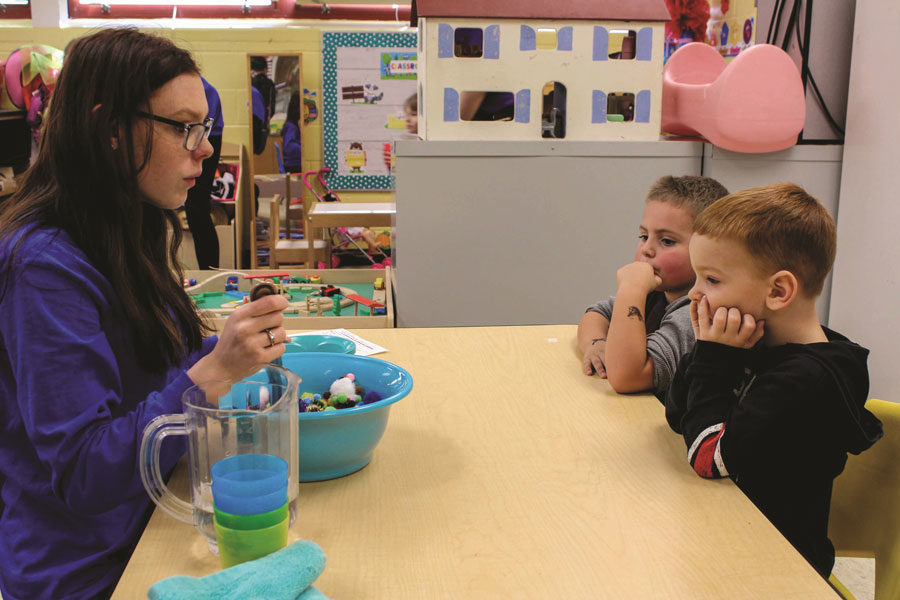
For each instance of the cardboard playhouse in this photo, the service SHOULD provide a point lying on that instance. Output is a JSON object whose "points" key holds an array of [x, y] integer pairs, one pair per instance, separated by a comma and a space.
{"points": [[575, 70]]}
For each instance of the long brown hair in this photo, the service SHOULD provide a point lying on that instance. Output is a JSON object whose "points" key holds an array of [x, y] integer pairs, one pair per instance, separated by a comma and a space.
{"points": [[80, 184]]}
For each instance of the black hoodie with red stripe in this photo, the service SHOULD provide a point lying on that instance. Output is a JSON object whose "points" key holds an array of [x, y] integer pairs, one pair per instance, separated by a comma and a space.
{"points": [[779, 421]]}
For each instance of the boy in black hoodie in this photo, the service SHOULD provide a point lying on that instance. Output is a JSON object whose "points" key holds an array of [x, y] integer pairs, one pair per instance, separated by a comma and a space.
{"points": [[777, 417]]}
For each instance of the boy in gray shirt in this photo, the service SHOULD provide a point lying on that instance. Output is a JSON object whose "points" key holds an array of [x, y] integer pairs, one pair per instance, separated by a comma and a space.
{"points": [[635, 338]]}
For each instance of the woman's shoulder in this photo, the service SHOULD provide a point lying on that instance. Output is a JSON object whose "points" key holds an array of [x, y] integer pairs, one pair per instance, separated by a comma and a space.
{"points": [[47, 261], [36, 241], [37, 248]]}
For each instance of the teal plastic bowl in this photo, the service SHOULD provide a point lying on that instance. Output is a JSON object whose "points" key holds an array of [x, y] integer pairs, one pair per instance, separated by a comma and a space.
{"points": [[319, 343], [335, 443]]}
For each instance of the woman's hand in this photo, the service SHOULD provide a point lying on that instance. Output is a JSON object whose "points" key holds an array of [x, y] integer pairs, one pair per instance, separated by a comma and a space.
{"points": [[244, 342]]}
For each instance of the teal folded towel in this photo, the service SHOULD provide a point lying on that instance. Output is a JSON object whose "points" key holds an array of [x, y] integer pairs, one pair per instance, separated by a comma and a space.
{"points": [[283, 575]]}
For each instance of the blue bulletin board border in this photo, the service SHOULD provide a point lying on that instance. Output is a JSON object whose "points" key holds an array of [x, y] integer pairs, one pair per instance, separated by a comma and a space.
{"points": [[331, 41]]}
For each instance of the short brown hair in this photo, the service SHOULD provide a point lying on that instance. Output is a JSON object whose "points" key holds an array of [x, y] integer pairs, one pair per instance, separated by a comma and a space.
{"points": [[781, 226], [693, 192]]}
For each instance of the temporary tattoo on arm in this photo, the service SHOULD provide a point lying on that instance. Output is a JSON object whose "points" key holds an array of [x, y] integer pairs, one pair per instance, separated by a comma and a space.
{"points": [[634, 311]]}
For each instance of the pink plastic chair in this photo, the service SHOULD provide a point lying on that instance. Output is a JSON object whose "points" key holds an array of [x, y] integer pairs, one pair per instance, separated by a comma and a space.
{"points": [[755, 103]]}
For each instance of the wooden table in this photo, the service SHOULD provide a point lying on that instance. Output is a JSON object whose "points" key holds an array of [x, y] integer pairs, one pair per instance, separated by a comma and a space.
{"points": [[507, 473], [348, 214]]}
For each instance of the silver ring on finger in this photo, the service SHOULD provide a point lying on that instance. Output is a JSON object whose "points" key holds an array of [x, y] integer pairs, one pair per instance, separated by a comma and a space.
{"points": [[271, 337]]}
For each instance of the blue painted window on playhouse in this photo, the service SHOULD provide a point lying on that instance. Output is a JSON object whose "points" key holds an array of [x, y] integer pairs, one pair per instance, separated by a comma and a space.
{"points": [[468, 42], [622, 44], [545, 38], [620, 107], [497, 106]]}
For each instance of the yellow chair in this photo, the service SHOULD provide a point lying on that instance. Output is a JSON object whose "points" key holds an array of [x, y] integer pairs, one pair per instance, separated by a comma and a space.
{"points": [[865, 505]]}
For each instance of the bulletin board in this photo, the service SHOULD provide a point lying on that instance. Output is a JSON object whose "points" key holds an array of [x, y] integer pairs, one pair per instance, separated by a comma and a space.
{"points": [[366, 79], [729, 28]]}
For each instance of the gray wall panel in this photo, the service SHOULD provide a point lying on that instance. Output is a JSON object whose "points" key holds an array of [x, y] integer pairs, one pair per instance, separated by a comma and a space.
{"points": [[519, 233]]}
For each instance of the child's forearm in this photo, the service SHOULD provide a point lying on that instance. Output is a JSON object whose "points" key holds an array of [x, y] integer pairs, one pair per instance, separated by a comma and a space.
{"points": [[628, 367], [592, 327]]}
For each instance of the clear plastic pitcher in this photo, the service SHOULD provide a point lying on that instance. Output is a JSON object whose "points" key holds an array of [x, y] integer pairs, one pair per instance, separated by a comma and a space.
{"points": [[257, 415]]}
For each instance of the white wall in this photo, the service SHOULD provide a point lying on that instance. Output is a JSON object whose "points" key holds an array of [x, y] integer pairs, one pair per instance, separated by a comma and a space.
{"points": [[866, 284], [829, 57]]}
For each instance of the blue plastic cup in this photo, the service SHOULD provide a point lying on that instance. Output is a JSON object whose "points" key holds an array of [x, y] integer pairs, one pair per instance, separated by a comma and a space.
{"points": [[250, 505], [249, 484], [249, 474]]}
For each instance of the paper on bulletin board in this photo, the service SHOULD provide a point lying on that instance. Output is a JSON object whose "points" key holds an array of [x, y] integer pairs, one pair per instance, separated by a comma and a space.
{"points": [[366, 80], [730, 27], [363, 347]]}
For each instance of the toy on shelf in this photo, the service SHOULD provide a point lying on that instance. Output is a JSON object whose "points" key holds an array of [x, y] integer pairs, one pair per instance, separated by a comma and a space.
{"points": [[27, 78], [755, 103]]}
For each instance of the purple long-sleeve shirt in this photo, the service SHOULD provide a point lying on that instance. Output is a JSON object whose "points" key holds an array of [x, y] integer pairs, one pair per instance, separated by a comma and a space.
{"points": [[290, 137], [73, 405]]}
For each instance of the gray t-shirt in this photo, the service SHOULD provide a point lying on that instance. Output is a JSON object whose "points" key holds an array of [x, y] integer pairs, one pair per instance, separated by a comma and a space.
{"points": [[666, 345]]}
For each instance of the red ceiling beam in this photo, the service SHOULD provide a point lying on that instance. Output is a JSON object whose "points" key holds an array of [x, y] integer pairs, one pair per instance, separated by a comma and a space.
{"points": [[353, 12], [285, 10], [15, 11]]}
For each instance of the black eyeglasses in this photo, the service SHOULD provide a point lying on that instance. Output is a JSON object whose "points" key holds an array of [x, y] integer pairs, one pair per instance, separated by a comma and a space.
{"points": [[194, 133]]}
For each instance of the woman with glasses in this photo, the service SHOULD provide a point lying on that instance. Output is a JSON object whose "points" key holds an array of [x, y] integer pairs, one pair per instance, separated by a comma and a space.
{"points": [[98, 336]]}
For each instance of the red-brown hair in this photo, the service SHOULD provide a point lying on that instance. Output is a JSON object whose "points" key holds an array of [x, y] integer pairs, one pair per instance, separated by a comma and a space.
{"points": [[781, 226]]}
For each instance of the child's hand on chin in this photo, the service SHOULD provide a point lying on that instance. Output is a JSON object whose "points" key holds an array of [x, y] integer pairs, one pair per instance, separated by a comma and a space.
{"points": [[639, 275], [726, 326]]}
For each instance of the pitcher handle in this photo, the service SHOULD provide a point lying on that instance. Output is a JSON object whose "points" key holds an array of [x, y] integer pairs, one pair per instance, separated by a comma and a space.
{"points": [[154, 433]]}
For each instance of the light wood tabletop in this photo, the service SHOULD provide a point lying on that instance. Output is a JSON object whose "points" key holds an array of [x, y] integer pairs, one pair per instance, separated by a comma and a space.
{"points": [[507, 473]]}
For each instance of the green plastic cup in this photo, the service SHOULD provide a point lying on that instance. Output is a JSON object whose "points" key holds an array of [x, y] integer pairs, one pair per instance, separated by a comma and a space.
{"points": [[237, 546], [258, 521]]}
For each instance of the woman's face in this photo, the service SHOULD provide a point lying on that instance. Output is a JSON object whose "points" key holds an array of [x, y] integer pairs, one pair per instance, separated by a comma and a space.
{"points": [[171, 170]]}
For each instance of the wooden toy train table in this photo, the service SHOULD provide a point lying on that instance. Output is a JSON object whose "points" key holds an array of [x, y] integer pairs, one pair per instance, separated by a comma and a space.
{"points": [[320, 298]]}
